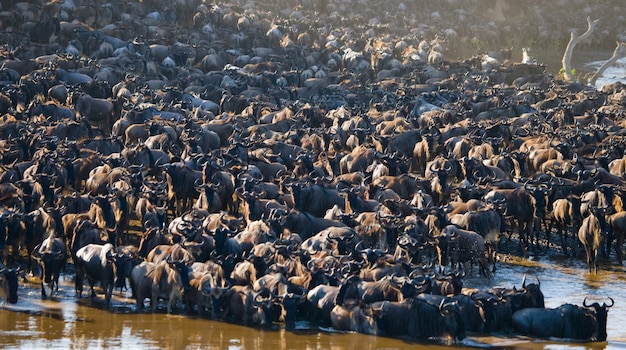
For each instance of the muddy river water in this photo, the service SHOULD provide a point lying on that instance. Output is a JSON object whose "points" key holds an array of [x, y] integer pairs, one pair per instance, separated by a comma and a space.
{"points": [[64, 322]]}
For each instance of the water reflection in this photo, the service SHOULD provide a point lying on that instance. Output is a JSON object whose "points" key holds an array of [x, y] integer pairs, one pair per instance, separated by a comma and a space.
{"points": [[103, 330]]}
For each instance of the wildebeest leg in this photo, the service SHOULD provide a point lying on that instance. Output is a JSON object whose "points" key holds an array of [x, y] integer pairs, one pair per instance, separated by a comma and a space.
{"points": [[78, 285], [563, 232], [139, 304], [93, 290], [153, 302], [515, 227], [588, 259], [549, 233], [618, 246], [525, 235], [606, 251], [535, 227], [591, 263], [492, 255], [528, 228]]}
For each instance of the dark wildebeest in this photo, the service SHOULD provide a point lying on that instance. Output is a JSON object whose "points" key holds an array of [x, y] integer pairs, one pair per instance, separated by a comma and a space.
{"points": [[51, 254], [458, 246], [520, 207], [242, 304], [566, 321], [8, 284], [423, 317]]}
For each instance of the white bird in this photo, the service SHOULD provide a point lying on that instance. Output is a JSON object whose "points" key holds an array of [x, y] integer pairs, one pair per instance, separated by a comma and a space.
{"points": [[526, 58]]}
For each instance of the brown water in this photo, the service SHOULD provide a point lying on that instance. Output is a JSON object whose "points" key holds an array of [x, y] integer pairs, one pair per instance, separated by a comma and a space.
{"points": [[67, 323]]}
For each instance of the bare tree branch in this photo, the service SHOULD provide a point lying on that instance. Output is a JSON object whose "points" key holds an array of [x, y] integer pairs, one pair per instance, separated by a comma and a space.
{"points": [[620, 51], [573, 41]]}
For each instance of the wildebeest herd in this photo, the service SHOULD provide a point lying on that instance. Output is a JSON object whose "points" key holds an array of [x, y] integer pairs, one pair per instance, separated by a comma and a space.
{"points": [[259, 172]]}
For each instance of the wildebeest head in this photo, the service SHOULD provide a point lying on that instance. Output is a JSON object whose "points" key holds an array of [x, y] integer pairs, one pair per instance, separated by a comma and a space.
{"points": [[601, 314], [104, 215], [533, 296], [288, 302], [449, 309], [51, 253], [262, 311]]}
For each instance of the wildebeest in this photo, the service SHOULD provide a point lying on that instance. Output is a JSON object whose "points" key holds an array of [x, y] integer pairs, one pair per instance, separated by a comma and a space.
{"points": [[458, 246], [590, 236], [565, 214], [315, 199], [352, 318], [208, 286], [487, 223], [242, 304], [8, 284], [97, 110], [568, 321], [52, 256], [320, 301], [97, 262], [617, 226], [423, 317], [520, 206], [157, 281]]}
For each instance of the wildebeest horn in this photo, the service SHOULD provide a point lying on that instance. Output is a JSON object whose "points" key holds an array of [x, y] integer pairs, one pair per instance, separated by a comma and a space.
{"points": [[357, 247], [259, 299], [441, 304], [310, 265], [36, 253], [348, 236], [524, 281], [585, 303], [608, 306], [332, 236], [432, 167]]}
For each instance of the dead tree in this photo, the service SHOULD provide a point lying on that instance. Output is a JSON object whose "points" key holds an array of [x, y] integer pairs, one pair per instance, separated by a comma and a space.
{"points": [[573, 41]]}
